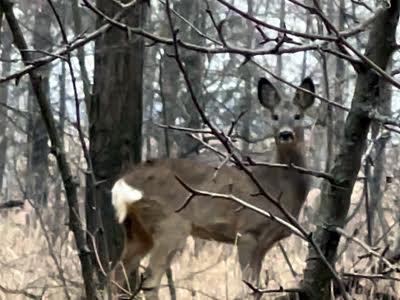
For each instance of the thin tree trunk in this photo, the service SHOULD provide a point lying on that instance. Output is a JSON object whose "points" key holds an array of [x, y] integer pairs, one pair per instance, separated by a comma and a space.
{"points": [[248, 84], [377, 178], [328, 117], [58, 204], [304, 63], [166, 120], [340, 84], [78, 29], [5, 56], [282, 14], [37, 135], [347, 163]]}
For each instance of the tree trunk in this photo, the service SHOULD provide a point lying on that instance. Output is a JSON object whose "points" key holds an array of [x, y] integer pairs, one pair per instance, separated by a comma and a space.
{"points": [[5, 56], [340, 84], [336, 199], [193, 61], [115, 119], [59, 207], [377, 180], [37, 135], [78, 29], [246, 76]]}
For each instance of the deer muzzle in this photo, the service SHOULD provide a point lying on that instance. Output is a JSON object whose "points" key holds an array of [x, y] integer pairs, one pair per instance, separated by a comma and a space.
{"points": [[286, 136]]}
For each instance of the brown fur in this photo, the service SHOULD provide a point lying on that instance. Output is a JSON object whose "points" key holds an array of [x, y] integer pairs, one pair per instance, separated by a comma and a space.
{"points": [[136, 232]]}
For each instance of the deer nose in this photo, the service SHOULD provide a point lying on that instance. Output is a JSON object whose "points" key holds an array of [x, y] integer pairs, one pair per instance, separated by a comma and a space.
{"points": [[286, 135]]}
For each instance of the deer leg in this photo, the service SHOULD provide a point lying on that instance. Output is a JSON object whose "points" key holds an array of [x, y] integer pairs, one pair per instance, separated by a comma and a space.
{"points": [[138, 242], [249, 258], [198, 246], [170, 238], [158, 264], [133, 254]]}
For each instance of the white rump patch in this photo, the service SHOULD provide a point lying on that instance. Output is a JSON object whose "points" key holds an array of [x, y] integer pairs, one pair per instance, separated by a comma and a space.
{"points": [[123, 195]]}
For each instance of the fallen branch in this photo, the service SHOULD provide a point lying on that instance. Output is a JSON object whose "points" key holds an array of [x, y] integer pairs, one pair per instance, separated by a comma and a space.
{"points": [[11, 204]]}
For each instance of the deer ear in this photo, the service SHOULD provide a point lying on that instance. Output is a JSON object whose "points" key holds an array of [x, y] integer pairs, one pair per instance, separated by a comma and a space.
{"points": [[302, 99], [267, 94]]}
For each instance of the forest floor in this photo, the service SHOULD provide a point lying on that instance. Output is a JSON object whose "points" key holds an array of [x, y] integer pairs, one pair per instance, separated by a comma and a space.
{"points": [[30, 266]]}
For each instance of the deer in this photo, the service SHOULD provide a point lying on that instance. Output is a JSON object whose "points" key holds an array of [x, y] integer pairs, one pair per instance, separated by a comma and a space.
{"points": [[145, 198]]}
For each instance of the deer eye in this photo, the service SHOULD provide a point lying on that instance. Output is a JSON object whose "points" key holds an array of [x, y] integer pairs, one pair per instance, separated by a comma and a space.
{"points": [[275, 117], [297, 116]]}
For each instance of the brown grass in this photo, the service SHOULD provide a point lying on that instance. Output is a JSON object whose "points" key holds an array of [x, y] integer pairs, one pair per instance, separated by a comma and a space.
{"points": [[26, 266]]}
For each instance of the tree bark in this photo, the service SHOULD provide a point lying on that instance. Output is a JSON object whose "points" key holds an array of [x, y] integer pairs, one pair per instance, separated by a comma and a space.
{"points": [[58, 204], [340, 84], [336, 199], [78, 29], [5, 56], [194, 61], [377, 181], [115, 119], [246, 75], [37, 173]]}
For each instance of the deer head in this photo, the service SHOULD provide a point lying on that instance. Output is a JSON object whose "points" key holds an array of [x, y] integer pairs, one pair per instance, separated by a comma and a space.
{"points": [[286, 118]]}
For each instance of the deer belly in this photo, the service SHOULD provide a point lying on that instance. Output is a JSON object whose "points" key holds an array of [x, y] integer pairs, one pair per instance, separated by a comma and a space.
{"points": [[221, 232]]}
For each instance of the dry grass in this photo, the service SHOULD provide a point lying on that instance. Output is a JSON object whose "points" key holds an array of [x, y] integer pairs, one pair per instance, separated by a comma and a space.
{"points": [[25, 263], [26, 266], [215, 274]]}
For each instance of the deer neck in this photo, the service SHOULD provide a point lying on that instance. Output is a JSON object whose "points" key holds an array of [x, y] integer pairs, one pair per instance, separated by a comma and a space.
{"points": [[299, 183], [291, 154]]}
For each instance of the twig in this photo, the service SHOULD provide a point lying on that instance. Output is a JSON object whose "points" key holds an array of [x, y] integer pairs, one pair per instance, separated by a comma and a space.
{"points": [[202, 49], [184, 129], [171, 284], [247, 53], [370, 276], [19, 292], [197, 30], [370, 251], [196, 192], [33, 65], [257, 290], [50, 248], [342, 41], [288, 262], [291, 166]]}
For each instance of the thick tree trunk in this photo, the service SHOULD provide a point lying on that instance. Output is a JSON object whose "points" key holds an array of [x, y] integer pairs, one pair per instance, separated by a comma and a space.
{"points": [[336, 199], [115, 119]]}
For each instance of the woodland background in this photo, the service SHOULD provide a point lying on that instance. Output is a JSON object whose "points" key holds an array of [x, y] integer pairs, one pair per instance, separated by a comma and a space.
{"points": [[86, 97]]}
